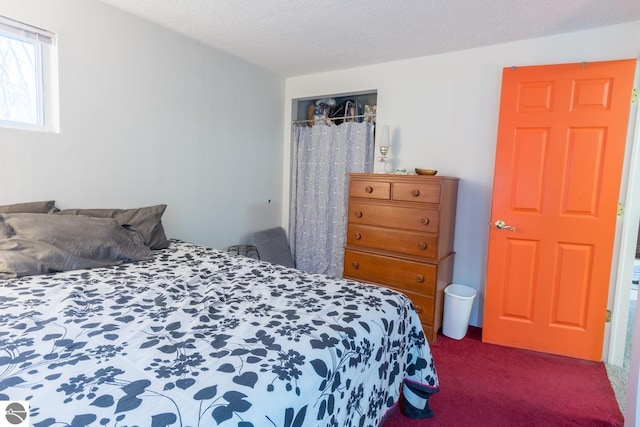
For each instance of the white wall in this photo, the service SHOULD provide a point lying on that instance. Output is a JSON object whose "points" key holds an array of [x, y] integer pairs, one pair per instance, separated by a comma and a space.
{"points": [[148, 116], [443, 112]]}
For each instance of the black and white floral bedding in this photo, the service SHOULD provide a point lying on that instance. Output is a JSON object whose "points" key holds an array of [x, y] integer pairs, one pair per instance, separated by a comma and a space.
{"points": [[196, 337]]}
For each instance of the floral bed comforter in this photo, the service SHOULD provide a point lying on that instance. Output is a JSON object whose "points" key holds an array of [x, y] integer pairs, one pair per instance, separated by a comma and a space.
{"points": [[197, 337]]}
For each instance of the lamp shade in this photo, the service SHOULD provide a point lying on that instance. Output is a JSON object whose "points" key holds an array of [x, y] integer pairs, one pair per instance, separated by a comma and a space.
{"points": [[384, 136]]}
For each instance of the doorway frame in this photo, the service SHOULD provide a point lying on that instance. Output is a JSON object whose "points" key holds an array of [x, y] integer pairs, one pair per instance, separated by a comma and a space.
{"points": [[626, 239]]}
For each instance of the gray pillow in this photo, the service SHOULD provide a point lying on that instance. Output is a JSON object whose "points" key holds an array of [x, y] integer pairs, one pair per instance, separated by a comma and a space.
{"points": [[40, 243], [146, 220], [48, 206]]}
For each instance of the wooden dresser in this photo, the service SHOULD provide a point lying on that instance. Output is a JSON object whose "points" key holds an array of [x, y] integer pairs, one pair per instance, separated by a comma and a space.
{"points": [[400, 234]]}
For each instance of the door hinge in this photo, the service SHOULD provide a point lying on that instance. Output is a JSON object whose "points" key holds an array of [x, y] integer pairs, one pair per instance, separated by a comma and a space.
{"points": [[634, 95], [608, 316], [620, 209]]}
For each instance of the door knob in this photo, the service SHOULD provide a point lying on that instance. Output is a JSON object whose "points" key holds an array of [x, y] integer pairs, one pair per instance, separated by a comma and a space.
{"points": [[501, 225]]}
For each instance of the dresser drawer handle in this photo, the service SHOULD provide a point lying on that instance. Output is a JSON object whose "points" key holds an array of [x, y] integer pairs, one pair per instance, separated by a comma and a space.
{"points": [[357, 236], [425, 221], [418, 309], [358, 214], [355, 265], [415, 192], [369, 189], [422, 245], [419, 278]]}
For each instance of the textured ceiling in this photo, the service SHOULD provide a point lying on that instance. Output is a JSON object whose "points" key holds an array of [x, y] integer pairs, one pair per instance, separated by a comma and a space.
{"points": [[297, 37]]}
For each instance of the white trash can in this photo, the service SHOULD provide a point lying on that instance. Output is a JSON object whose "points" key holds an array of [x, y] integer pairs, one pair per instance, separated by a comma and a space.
{"points": [[458, 301]]}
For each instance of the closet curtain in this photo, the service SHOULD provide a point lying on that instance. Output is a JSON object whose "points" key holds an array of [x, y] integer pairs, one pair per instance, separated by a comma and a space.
{"points": [[322, 158]]}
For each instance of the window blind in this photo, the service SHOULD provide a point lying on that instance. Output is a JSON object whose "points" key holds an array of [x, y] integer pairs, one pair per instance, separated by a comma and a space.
{"points": [[27, 31]]}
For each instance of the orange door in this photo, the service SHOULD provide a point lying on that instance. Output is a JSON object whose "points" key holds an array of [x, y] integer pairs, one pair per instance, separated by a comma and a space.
{"points": [[559, 157]]}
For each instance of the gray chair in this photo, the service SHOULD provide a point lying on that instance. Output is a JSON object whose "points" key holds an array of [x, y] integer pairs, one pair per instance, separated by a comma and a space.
{"points": [[273, 246]]}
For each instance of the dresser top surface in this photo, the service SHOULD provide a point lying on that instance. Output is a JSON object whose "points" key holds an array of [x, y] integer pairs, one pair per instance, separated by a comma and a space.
{"points": [[396, 177]]}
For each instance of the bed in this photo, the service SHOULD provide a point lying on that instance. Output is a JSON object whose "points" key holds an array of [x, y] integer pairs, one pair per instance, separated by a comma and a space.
{"points": [[188, 335]]}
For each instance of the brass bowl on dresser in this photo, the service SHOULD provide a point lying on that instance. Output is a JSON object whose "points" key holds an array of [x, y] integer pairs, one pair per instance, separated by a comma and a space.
{"points": [[420, 171]]}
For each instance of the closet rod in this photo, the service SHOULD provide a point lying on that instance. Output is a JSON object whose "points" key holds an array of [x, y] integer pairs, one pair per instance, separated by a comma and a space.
{"points": [[295, 122]]}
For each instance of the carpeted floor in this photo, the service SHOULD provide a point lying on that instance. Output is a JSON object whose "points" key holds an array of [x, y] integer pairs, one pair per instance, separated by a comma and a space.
{"points": [[489, 385], [618, 375]]}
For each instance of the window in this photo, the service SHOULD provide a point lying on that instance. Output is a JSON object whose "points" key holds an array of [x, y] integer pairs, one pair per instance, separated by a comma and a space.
{"points": [[28, 77]]}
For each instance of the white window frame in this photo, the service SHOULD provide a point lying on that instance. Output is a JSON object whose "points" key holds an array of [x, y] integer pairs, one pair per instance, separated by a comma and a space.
{"points": [[45, 43]]}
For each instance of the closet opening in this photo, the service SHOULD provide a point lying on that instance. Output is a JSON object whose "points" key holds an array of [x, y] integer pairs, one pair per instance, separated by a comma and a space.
{"points": [[331, 136]]}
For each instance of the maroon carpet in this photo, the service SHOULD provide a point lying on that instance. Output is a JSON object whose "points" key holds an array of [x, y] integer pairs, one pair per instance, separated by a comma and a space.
{"points": [[490, 385]]}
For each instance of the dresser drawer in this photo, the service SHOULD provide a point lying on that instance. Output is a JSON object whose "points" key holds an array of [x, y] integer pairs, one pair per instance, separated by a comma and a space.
{"points": [[380, 190], [424, 305], [396, 273], [387, 239], [429, 333], [418, 219], [424, 192]]}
